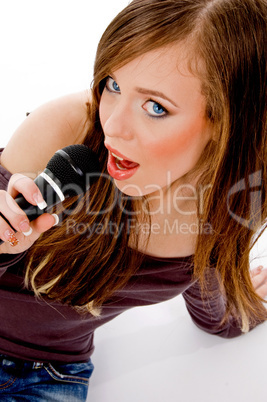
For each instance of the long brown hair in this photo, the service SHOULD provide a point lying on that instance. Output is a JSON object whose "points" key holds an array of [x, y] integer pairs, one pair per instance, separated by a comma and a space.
{"points": [[229, 38]]}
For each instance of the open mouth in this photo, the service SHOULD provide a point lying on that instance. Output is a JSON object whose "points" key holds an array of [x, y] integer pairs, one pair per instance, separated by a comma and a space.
{"points": [[124, 164], [120, 168]]}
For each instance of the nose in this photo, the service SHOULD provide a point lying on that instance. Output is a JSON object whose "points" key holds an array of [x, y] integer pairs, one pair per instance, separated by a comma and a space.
{"points": [[116, 121]]}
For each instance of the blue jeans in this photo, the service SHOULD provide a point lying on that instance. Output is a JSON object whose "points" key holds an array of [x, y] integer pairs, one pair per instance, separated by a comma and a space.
{"points": [[33, 381]]}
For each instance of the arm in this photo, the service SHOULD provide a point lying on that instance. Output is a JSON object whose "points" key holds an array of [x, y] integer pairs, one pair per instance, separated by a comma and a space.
{"points": [[208, 311], [56, 124]]}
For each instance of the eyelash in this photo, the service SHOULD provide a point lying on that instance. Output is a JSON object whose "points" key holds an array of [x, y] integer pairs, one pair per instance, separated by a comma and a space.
{"points": [[160, 116], [107, 87], [149, 100]]}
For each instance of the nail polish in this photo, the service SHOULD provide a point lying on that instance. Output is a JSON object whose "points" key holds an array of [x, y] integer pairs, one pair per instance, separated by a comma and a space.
{"points": [[28, 233], [25, 226], [39, 201], [56, 219], [11, 238]]}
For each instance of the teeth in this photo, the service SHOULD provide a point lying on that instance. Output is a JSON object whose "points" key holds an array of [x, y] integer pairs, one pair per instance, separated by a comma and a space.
{"points": [[119, 166], [116, 156]]}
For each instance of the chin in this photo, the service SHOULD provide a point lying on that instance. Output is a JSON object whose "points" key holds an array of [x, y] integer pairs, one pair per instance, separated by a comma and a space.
{"points": [[129, 189], [133, 190]]}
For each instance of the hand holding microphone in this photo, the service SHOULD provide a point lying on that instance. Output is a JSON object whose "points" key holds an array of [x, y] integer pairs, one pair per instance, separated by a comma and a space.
{"points": [[67, 174]]}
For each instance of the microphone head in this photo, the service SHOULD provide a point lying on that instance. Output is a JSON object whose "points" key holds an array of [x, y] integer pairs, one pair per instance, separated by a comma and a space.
{"points": [[75, 166]]}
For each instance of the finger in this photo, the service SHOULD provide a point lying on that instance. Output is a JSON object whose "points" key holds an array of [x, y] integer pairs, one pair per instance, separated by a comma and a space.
{"points": [[256, 271], [259, 279], [40, 225], [44, 223], [20, 184], [262, 291], [20, 242], [11, 215]]}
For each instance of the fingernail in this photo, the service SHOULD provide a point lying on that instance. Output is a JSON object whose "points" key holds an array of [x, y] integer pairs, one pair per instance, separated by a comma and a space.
{"points": [[56, 219], [28, 233], [9, 233], [39, 201], [11, 238], [25, 227]]}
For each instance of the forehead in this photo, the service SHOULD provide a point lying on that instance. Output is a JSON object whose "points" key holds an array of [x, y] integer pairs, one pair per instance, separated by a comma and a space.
{"points": [[164, 69], [160, 61]]}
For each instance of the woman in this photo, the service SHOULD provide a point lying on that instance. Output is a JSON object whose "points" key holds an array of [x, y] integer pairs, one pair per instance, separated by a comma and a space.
{"points": [[178, 120]]}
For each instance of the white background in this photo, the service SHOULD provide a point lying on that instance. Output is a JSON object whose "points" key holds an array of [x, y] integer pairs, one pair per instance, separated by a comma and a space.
{"points": [[150, 354]]}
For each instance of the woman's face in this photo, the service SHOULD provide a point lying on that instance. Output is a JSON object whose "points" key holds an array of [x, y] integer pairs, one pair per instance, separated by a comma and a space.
{"points": [[153, 116]]}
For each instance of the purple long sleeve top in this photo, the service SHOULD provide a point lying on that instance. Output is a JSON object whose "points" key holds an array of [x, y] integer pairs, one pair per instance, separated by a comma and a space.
{"points": [[43, 330]]}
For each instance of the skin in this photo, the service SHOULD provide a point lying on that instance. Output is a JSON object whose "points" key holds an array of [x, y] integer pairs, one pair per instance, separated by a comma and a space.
{"points": [[166, 137], [52, 126], [259, 281]]}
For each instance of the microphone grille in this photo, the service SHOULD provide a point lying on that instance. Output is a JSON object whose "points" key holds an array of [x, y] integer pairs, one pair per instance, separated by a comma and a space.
{"points": [[74, 164]]}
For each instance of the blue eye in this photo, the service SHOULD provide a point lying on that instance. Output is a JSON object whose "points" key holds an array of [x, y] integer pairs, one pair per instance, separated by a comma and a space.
{"points": [[112, 85], [115, 86], [154, 109], [158, 109]]}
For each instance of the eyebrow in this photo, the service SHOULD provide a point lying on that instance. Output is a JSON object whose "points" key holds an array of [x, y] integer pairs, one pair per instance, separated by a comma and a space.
{"points": [[155, 93]]}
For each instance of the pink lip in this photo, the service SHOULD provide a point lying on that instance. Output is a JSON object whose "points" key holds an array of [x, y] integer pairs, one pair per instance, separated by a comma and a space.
{"points": [[114, 151], [114, 170]]}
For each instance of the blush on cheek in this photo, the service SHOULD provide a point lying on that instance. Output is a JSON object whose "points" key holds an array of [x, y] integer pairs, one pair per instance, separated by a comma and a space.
{"points": [[178, 144]]}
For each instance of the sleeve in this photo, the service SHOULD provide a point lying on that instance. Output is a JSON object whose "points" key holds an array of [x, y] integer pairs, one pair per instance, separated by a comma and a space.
{"points": [[7, 260], [207, 310]]}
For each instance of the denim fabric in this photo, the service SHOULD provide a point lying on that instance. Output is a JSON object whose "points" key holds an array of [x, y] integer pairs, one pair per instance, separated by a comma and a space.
{"points": [[54, 382]]}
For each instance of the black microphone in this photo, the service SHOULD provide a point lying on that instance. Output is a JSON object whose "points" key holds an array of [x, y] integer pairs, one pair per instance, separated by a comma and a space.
{"points": [[68, 173]]}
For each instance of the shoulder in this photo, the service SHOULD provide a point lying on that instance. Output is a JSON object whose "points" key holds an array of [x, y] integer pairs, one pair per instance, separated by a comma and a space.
{"points": [[52, 126]]}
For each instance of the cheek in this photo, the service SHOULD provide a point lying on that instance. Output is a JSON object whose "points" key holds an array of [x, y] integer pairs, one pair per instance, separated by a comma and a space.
{"points": [[185, 142], [176, 145], [102, 113], [105, 109]]}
